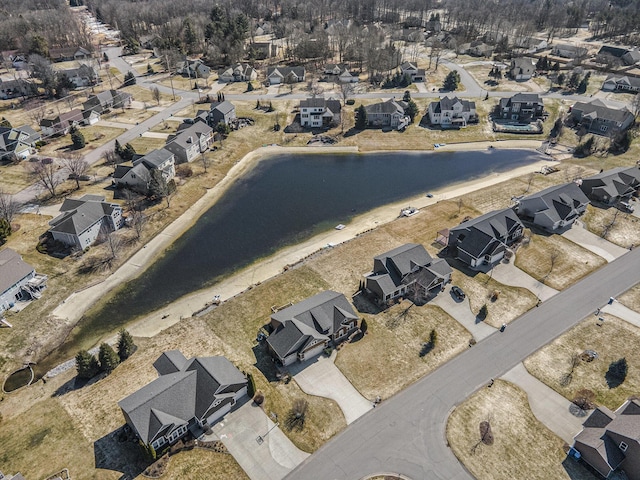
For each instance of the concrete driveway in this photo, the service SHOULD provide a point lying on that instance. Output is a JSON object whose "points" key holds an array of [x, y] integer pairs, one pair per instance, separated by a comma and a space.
{"points": [[272, 459], [592, 242], [619, 310], [320, 377], [461, 311], [548, 406], [509, 274]]}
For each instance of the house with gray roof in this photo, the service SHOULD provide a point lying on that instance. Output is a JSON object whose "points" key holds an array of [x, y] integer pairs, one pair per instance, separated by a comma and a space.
{"points": [[599, 118], [621, 83], [451, 112], [18, 280], [190, 142], [553, 208], [485, 239], [278, 75], [522, 68], [240, 72], [522, 107], [388, 114], [319, 112], [82, 219], [612, 186], [61, 124], [406, 270], [138, 175], [83, 76], [568, 51], [302, 331], [104, 101], [610, 441], [19, 87], [411, 69], [18, 143], [223, 112], [194, 69], [189, 395]]}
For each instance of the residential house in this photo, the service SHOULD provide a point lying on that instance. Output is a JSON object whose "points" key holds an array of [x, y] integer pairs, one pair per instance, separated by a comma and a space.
{"points": [[302, 331], [408, 269], [278, 75], [601, 119], [529, 45], [340, 73], [568, 51], [189, 395], [553, 208], [68, 54], [18, 280], [90, 117], [263, 50], [194, 69], [15, 88], [484, 240], [240, 72], [522, 68], [617, 56], [523, 107], [319, 112], [17, 476], [18, 143], [631, 57], [105, 101], [388, 114], [82, 219], [612, 186], [187, 144], [18, 60], [411, 70], [476, 48], [138, 175], [616, 83], [61, 124], [83, 76], [223, 112], [610, 441], [452, 112]]}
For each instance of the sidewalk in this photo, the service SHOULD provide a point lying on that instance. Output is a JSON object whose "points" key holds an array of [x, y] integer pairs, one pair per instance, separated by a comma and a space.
{"points": [[619, 310]]}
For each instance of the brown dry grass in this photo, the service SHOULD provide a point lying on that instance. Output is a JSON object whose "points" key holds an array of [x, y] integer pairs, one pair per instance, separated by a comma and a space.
{"points": [[395, 338], [613, 340], [199, 464], [481, 75], [572, 261], [631, 298], [95, 136], [14, 177], [167, 126], [522, 448], [625, 230], [143, 145]]}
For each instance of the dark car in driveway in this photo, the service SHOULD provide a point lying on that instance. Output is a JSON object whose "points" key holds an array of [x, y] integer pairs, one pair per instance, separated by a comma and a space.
{"points": [[458, 292]]}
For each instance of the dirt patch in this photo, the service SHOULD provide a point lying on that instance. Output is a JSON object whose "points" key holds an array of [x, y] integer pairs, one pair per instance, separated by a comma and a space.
{"points": [[612, 339], [556, 261]]}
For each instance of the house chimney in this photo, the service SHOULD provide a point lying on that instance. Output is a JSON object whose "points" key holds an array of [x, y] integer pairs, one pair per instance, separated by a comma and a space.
{"points": [[190, 140]]}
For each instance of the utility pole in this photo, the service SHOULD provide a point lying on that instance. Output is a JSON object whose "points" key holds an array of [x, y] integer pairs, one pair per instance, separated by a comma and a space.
{"points": [[173, 92]]}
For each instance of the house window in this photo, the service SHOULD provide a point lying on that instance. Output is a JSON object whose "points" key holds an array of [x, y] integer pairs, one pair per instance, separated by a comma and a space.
{"points": [[603, 128], [623, 446]]}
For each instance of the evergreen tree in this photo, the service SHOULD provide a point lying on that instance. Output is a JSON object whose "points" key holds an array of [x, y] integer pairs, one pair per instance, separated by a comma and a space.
{"points": [[433, 337], [407, 96], [78, 140], [118, 148], [5, 230], [411, 110], [129, 79], [150, 70], [223, 129], [126, 346], [105, 57], [108, 358], [86, 365], [249, 87], [451, 81], [584, 83], [556, 67], [361, 118], [560, 79]]}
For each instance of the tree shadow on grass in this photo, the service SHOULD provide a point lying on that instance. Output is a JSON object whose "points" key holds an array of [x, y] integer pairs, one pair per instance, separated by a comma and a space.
{"points": [[427, 347], [265, 362], [119, 451]]}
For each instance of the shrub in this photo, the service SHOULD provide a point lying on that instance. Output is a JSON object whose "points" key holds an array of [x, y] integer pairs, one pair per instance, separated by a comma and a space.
{"points": [[126, 347], [484, 311], [585, 399], [251, 385], [87, 365], [258, 398], [351, 101], [363, 326], [78, 140], [184, 170], [249, 87], [109, 359], [433, 337]]}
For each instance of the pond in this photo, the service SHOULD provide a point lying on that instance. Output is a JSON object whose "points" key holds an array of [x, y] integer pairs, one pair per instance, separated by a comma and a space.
{"points": [[283, 201]]}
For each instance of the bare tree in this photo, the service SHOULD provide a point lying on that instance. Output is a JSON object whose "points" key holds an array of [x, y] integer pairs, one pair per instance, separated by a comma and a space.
{"points": [[635, 105], [155, 93], [113, 243], [346, 90], [138, 222], [574, 361], [9, 207], [36, 111], [111, 157], [435, 53], [609, 226], [77, 166], [554, 255], [45, 176], [205, 162], [530, 178]]}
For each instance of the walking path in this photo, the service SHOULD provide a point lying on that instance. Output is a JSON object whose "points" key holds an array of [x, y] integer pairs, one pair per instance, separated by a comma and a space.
{"points": [[592, 242], [320, 377], [619, 310], [272, 458], [461, 312], [548, 406], [509, 274]]}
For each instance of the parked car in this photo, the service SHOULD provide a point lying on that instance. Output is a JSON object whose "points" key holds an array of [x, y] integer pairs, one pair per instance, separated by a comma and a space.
{"points": [[625, 207], [458, 292]]}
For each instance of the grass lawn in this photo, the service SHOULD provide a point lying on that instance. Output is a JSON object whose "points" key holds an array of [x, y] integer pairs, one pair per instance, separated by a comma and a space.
{"points": [[556, 261], [395, 340], [613, 340], [143, 145], [167, 126], [505, 84], [141, 94], [523, 448], [199, 464], [631, 298], [184, 83], [14, 177], [625, 230], [241, 87], [94, 137]]}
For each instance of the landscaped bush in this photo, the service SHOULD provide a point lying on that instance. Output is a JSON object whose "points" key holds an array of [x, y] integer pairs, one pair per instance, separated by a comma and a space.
{"points": [[258, 398]]}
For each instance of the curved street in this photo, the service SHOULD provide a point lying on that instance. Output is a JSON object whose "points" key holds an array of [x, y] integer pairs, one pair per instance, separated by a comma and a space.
{"points": [[406, 434]]}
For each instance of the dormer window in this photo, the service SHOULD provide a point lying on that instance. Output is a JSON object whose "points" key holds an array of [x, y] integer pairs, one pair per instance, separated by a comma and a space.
{"points": [[623, 446]]}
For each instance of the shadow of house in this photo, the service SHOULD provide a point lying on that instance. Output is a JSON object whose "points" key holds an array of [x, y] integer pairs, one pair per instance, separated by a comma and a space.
{"points": [[119, 451], [265, 362]]}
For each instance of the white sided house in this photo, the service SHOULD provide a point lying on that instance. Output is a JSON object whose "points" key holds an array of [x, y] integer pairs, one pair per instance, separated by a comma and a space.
{"points": [[138, 175], [190, 142], [319, 112], [18, 280], [189, 395], [451, 112], [81, 220], [302, 331], [278, 75]]}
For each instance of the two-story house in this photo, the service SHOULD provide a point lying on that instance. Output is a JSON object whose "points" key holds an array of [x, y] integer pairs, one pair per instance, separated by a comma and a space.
{"points": [[319, 112], [451, 112], [599, 118], [18, 143], [187, 144], [194, 69], [137, 176], [83, 76], [523, 107], [223, 112], [612, 186], [411, 70], [18, 280], [240, 72], [61, 124], [82, 219], [388, 114], [522, 68]]}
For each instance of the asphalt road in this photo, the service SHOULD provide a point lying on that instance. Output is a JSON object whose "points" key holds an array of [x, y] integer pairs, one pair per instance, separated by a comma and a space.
{"points": [[406, 433]]}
